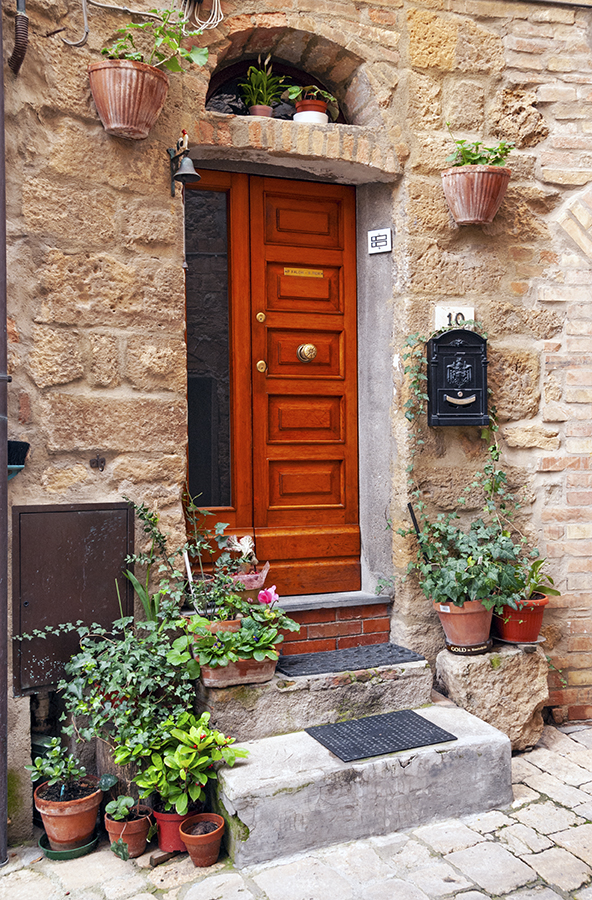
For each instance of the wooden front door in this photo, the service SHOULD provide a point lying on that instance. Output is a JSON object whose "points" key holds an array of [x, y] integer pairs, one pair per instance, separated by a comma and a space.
{"points": [[291, 338]]}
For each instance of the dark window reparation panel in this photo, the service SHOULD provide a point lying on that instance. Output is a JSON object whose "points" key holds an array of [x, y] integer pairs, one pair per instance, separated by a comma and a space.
{"points": [[65, 563]]}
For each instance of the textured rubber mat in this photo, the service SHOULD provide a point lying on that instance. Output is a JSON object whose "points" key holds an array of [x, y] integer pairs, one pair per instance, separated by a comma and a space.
{"points": [[352, 659], [377, 735]]}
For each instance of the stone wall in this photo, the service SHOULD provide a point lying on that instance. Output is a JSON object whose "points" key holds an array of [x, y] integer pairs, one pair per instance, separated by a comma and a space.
{"points": [[96, 292]]}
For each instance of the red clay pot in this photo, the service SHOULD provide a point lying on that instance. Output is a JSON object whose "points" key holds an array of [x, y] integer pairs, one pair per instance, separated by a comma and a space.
{"points": [[68, 823], [465, 626], [475, 193], [133, 833], [203, 849], [129, 96], [261, 110], [521, 625], [311, 105], [232, 625], [168, 830], [243, 671]]}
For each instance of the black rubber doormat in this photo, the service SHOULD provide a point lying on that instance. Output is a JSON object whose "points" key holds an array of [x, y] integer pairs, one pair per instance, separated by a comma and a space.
{"points": [[377, 735], [351, 660]]}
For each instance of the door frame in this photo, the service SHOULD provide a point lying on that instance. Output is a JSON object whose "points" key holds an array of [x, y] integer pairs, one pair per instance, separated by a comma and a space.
{"points": [[380, 322]]}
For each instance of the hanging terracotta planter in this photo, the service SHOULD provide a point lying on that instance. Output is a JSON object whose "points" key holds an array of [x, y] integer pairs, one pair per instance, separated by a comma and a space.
{"points": [[466, 627], [475, 193], [521, 626], [128, 95], [69, 823], [132, 832], [243, 671], [203, 849]]}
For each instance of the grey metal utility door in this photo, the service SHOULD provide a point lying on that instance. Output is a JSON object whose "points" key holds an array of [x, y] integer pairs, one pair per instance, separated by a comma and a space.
{"points": [[65, 563]]}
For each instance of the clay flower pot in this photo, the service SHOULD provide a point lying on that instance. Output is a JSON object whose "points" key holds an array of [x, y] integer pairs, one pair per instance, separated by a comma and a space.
{"points": [[311, 105], [232, 625], [168, 830], [466, 627], [68, 823], [128, 95], [203, 849], [261, 110], [475, 193], [133, 833], [243, 671], [521, 626]]}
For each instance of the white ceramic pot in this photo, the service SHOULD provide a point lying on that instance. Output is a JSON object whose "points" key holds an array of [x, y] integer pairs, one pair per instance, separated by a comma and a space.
{"points": [[317, 118]]}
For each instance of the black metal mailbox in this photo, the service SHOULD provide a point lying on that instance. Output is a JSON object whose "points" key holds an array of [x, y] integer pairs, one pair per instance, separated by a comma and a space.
{"points": [[457, 379]]}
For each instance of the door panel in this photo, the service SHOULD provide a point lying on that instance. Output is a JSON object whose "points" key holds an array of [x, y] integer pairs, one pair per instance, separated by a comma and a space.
{"points": [[294, 424], [305, 455]]}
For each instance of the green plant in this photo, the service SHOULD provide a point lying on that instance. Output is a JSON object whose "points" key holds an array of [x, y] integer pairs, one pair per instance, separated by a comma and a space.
{"points": [[181, 757], [58, 766], [538, 581], [120, 808], [262, 87], [295, 93], [476, 154], [162, 36]]}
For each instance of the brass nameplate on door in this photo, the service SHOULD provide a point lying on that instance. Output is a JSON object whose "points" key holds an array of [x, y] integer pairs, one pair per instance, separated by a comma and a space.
{"points": [[304, 273]]}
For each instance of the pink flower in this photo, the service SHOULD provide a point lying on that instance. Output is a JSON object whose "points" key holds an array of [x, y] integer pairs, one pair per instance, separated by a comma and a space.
{"points": [[268, 596]]}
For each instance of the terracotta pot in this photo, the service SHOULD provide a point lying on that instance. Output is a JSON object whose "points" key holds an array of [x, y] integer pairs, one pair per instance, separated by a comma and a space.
{"points": [[168, 830], [203, 849], [128, 95], [261, 110], [68, 823], [311, 105], [521, 625], [133, 833], [243, 671], [474, 193], [466, 627], [232, 625]]}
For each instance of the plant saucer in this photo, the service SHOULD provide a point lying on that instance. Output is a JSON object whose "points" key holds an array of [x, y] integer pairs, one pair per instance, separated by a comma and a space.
{"points": [[67, 854]]}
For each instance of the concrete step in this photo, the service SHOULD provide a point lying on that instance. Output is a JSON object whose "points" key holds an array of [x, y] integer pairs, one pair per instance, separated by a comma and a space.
{"points": [[292, 794], [288, 704]]}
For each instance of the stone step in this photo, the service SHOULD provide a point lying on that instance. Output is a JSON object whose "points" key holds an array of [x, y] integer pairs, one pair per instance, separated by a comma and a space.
{"points": [[292, 794], [288, 704]]}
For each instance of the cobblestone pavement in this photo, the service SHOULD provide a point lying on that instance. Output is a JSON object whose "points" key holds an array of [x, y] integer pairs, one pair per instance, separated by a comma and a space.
{"points": [[538, 848]]}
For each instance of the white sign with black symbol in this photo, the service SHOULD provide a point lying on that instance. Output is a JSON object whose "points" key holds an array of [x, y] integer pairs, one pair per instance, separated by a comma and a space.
{"points": [[380, 240], [445, 316]]}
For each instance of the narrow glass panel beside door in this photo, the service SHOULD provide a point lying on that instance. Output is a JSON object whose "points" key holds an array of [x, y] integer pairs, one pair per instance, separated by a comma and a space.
{"points": [[208, 365]]}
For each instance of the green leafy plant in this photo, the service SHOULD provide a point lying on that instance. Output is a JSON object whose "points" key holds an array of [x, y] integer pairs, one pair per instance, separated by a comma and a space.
{"points": [[58, 766], [120, 808], [475, 153], [537, 581], [180, 759], [162, 35], [295, 93], [262, 87]]}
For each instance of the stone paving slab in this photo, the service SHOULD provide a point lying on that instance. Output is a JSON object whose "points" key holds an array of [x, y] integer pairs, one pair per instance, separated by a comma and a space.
{"points": [[535, 848]]}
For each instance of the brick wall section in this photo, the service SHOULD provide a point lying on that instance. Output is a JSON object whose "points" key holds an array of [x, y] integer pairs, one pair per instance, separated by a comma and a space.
{"points": [[338, 629]]}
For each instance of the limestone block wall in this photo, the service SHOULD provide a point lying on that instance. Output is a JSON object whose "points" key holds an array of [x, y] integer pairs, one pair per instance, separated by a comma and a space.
{"points": [[96, 286]]}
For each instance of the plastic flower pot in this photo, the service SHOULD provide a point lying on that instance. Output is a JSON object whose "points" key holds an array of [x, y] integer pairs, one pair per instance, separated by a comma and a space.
{"points": [[68, 823], [133, 833], [203, 849], [168, 830], [521, 626]]}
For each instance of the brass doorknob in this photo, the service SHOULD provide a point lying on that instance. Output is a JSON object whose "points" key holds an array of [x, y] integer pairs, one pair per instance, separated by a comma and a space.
{"points": [[260, 317], [262, 366], [306, 352]]}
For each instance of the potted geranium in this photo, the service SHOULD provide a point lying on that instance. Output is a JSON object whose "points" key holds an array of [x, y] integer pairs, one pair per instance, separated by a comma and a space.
{"points": [[68, 800], [262, 88], [477, 182], [176, 764], [313, 104], [129, 87]]}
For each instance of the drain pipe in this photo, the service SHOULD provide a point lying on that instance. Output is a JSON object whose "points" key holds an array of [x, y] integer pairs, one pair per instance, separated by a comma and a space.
{"points": [[4, 378], [21, 37]]}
